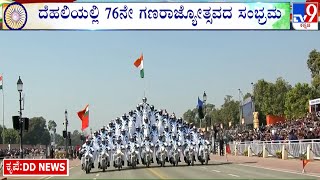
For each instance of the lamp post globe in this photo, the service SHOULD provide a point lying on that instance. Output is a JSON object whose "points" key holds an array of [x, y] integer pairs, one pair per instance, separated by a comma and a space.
{"points": [[19, 85], [204, 96]]}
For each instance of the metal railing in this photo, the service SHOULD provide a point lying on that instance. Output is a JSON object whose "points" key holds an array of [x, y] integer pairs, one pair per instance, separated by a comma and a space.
{"points": [[295, 148]]}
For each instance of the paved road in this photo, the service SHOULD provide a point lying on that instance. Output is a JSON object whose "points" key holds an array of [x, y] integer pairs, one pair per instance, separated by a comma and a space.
{"points": [[214, 170]]}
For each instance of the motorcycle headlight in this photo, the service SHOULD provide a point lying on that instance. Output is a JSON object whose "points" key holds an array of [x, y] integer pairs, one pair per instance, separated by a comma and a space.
{"points": [[118, 151]]}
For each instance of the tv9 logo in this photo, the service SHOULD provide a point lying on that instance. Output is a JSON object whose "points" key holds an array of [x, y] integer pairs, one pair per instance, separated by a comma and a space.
{"points": [[305, 16]]}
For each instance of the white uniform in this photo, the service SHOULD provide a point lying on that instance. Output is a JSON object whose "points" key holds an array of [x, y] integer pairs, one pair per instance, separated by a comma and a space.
{"points": [[84, 149]]}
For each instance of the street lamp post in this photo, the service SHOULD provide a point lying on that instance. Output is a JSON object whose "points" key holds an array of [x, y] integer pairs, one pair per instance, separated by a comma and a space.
{"points": [[205, 111], [252, 98], [20, 88], [66, 126]]}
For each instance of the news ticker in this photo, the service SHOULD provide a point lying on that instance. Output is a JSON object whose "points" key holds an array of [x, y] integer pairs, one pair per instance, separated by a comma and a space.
{"points": [[160, 16], [35, 167]]}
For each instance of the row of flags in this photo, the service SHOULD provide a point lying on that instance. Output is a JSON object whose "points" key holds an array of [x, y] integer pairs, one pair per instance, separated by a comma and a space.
{"points": [[84, 114]]}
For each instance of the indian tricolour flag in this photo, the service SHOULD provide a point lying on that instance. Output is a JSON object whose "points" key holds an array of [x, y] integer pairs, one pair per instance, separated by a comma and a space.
{"points": [[139, 64], [1, 82]]}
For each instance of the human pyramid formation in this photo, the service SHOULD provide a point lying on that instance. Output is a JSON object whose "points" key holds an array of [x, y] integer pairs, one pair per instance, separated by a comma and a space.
{"points": [[143, 134]]}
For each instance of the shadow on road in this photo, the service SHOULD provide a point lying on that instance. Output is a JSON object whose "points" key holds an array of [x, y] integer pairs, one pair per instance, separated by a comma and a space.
{"points": [[112, 169]]}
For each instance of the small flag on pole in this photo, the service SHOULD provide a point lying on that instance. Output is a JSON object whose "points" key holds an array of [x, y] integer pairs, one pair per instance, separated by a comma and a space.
{"points": [[228, 150], [1, 82], [84, 116], [139, 64], [304, 163]]}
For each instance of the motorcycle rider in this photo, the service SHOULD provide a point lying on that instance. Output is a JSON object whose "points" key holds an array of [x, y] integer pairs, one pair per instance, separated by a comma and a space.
{"points": [[161, 142], [131, 144], [203, 142], [118, 145], [87, 147], [174, 141], [104, 146], [118, 127], [143, 145]]}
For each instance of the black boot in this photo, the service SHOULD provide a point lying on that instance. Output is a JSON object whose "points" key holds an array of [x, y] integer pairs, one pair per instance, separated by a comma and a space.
{"points": [[128, 163], [209, 158], [92, 165], [99, 165], [179, 159], [152, 160], [185, 159], [114, 164], [138, 161], [167, 159], [108, 164], [157, 160], [122, 163], [142, 160]]}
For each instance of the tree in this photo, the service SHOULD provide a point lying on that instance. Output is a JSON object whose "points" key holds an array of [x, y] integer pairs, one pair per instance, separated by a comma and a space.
{"points": [[246, 96], [38, 132], [230, 110], [52, 125], [75, 138], [269, 97], [281, 88], [314, 67], [11, 136], [297, 100], [60, 141]]}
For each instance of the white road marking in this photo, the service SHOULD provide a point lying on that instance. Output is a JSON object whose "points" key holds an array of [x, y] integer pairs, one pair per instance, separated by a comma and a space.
{"points": [[49, 177], [98, 175], [215, 170], [94, 178], [233, 175], [285, 171]]}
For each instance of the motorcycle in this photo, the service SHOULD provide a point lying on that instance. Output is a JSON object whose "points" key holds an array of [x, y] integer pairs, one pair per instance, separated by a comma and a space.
{"points": [[204, 155], [163, 155], [88, 162], [148, 155], [118, 161], [190, 155], [175, 155], [133, 156], [104, 159]]}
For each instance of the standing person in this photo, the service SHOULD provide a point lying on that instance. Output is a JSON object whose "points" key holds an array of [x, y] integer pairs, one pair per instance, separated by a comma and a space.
{"points": [[221, 142]]}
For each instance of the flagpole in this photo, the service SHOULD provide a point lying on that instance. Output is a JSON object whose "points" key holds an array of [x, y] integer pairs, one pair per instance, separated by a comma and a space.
{"points": [[2, 112]]}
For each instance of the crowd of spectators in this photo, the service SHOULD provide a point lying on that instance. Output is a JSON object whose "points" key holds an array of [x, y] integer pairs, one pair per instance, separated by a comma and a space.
{"points": [[12, 153], [299, 129]]}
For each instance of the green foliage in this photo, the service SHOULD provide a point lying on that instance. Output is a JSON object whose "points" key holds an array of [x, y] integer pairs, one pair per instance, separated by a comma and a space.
{"points": [[52, 124], [297, 100], [75, 138], [38, 132], [11, 136], [279, 154], [270, 97], [245, 153], [314, 67], [60, 141]]}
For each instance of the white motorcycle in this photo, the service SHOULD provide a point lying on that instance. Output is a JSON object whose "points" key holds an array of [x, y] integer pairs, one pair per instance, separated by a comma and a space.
{"points": [[190, 155], [162, 155], [204, 154], [133, 156], [148, 155], [104, 159], [175, 155], [118, 161], [88, 161]]}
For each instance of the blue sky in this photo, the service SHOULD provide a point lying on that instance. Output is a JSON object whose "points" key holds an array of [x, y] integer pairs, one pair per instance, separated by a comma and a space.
{"points": [[67, 70]]}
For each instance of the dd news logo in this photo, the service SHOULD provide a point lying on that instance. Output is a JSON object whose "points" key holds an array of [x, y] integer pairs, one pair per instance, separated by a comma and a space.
{"points": [[36, 167]]}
